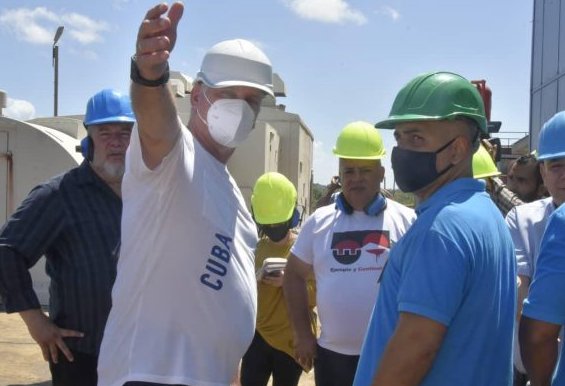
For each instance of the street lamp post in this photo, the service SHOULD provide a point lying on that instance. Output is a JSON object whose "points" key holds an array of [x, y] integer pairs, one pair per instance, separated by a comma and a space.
{"points": [[56, 67]]}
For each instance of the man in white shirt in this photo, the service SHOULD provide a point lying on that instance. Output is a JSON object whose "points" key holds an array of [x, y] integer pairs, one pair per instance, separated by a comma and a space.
{"points": [[345, 245], [184, 301]]}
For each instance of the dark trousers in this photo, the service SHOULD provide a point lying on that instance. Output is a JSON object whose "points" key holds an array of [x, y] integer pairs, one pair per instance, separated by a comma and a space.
{"points": [[334, 369], [82, 371], [261, 360]]}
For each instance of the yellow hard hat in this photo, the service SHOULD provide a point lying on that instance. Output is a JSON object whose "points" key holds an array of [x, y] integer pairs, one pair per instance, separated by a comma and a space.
{"points": [[483, 165], [273, 199], [359, 140]]}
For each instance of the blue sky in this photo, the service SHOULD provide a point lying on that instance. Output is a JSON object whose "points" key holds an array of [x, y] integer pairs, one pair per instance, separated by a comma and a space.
{"points": [[341, 60]]}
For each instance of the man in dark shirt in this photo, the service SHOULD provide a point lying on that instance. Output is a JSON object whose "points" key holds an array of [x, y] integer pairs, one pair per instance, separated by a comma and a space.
{"points": [[74, 221]]}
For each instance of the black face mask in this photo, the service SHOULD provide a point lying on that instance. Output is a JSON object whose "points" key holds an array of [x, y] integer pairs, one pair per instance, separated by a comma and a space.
{"points": [[414, 170], [276, 233]]}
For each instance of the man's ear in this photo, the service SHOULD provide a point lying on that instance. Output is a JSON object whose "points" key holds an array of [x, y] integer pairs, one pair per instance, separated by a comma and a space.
{"points": [[381, 174], [460, 149]]}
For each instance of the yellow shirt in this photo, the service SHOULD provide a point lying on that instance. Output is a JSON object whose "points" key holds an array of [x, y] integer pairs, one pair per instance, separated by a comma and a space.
{"points": [[272, 316]]}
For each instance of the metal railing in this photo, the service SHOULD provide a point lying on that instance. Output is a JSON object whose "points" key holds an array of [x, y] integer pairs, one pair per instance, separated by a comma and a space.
{"points": [[508, 138]]}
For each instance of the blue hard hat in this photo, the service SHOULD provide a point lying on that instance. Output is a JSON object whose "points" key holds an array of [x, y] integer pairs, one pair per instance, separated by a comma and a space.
{"points": [[552, 138], [108, 106]]}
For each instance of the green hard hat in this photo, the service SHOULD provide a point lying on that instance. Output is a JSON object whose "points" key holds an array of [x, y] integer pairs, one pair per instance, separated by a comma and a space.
{"points": [[273, 199], [483, 165], [436, 96], [359, 140]]}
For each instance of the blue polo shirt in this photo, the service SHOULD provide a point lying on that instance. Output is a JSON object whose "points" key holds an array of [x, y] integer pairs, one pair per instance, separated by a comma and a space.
{"points": [[456, 266], [546, 299]]}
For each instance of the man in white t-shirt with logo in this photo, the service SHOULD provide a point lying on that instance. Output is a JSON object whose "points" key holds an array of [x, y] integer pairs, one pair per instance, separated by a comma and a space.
{"points": [[527, 222], [184, 300], [346, 246]]}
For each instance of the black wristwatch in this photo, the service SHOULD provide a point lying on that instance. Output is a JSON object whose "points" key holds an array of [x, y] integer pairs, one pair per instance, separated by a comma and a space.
{"points": [[136, 77]]}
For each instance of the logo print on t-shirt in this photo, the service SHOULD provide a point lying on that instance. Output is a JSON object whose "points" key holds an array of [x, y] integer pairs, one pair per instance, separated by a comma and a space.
{"points": [[347, 247]]}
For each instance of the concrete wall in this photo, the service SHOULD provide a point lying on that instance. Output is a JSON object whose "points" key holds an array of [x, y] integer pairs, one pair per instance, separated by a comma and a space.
{"points": [[296, 155]]}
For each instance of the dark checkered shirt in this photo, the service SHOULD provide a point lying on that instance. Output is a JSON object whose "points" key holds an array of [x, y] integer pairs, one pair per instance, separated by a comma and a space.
{"points": [[74, 220]]}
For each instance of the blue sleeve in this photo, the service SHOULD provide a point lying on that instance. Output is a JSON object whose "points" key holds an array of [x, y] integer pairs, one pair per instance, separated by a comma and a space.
{"points": [[546, 299], [433, 279]]}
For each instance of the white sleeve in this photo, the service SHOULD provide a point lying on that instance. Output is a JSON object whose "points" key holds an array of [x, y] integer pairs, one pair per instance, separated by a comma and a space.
{"points": [[303, 247], [521, 244]]}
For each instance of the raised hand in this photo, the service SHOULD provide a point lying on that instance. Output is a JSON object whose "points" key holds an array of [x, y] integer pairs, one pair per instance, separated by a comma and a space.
{"points": [[156, 39]]}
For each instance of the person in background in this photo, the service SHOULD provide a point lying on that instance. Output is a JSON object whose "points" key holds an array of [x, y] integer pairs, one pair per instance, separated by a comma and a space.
{"points": [[273, 204], [484, 166], [446, 306], [524, 178], [527, 225], [185, 298], [504, 198], [346, 246], [74, 221]]}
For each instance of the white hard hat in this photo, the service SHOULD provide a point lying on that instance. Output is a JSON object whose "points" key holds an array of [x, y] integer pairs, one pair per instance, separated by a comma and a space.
{"points": [[236, 62]]}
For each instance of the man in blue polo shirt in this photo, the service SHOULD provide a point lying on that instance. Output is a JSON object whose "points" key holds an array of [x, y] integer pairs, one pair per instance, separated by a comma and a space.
{"points": [[543, 314], [445, 312]]}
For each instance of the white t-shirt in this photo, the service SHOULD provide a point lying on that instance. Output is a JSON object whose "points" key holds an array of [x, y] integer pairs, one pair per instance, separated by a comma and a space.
{"points": [[185, 297], [347, 253], [527, 223]]}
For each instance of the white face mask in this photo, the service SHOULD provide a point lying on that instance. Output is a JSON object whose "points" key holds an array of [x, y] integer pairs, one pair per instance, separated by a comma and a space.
{"points": [[229, 120]]}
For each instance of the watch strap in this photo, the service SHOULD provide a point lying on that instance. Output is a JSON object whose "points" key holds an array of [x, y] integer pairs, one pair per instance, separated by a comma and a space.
{"points": [[136, 77]]}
